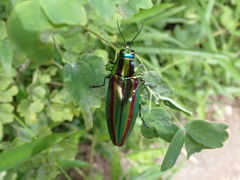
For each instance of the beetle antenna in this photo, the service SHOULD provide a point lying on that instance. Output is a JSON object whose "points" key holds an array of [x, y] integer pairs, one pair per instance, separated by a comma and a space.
{"points": [[129, 44], [121, 34]]}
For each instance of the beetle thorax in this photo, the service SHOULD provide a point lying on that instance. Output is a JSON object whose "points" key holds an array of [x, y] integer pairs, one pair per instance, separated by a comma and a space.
{"points": [[125, 65]]}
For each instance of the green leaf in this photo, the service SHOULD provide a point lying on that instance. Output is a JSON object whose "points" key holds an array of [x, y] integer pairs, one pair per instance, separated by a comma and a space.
{"points": [[144, 14], [23, 107], [131, 7], [172, 104], [1, 131], [230, 68], [47, 171], [3, 30], [157, 119], [78, 77], [5, 81], [75, 43], [105, 8], [6, 115], [227, 18], [63, 12], [206, 133], [60, 112], [115, 165], [6, 55], [66, 163], [7, 96], [36, 107], [148, 132], [173, 150], [154, 78], [20, 154], [144, 4], [32, 35], [37, 92], [193, 146]]}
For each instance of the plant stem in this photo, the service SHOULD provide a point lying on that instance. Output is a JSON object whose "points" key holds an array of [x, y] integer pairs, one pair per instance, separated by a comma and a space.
{"points": [[174, 117], [64, 172], [100, 37], [81, 173]]}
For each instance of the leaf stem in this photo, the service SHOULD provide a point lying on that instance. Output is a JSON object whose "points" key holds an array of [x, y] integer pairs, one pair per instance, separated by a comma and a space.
{"points": [[100, 37], [57, 64], [59, 50], [81, 173], [64, 172], [174, 117]]}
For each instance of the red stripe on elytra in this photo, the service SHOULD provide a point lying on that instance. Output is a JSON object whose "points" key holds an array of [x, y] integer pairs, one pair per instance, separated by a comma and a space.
{"points": [[112, 125], [130, 116]]}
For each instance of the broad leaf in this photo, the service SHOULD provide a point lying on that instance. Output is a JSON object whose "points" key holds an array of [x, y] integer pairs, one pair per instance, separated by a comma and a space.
{"points": [[148, 132], [173, 150], [174, 105], [63, 12], [78, 77], [16, 156], [132, 7], [6, 55], [206, 133], [157, 120], [193, 146], [6, 113], [7, 95], [28, 28], [105, 8], [154, 78]]}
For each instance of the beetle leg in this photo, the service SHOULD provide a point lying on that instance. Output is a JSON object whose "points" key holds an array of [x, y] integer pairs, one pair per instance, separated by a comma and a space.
{"points": [[140, 65], [98, 86], [109, 68], [111, 62], [140, 115]]}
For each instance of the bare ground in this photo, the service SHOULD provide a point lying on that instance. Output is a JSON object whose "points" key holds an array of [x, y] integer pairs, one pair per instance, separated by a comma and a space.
{"points": [[223, 163]]}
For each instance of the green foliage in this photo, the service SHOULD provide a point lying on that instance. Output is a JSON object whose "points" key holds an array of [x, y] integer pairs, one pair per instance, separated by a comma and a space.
{"points": [[158, 121], [207, 134], [199, 135], [78, 77], [20, 154], [173, 150], [32, 27], [190, 51], [63, 11]]}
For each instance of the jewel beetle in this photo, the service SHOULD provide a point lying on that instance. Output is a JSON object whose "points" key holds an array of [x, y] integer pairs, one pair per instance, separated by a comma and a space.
{"points": [[123, 94]]}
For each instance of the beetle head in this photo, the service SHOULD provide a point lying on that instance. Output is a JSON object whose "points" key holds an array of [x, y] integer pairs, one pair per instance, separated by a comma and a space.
{"points": [[127, 53]]}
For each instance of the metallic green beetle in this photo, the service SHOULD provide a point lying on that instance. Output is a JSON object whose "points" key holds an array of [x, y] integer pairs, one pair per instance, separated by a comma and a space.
{"points": [[123, 96]]}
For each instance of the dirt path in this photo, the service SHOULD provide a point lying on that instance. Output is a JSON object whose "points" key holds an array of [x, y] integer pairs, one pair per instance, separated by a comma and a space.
{"points": [[218, 164]]}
